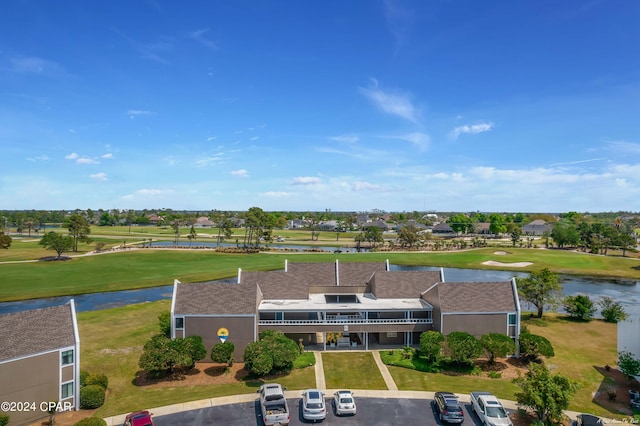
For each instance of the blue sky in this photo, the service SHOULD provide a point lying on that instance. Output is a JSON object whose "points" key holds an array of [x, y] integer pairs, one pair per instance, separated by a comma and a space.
{"points": [[528, 106]]}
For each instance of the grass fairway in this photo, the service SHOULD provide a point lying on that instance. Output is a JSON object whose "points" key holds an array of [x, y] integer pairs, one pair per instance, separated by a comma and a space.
{"points": [[151, 267], [355, 370], [111, 343]]}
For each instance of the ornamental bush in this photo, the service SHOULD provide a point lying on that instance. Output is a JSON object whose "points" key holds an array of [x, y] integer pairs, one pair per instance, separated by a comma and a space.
{"points": [[533, 346], [97, 379], [91, 421], [84, 375], [4, 420], [92, 396], [274, 352]]}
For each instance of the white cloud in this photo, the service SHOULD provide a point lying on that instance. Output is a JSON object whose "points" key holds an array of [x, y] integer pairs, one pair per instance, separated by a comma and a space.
{"points": [[348, 138], [86, 160], [199, 36], [276, 194], [99, 176], [306, 180], [366, 186], [624, 147], [240, 173], [398, 104], [133, 113], [254, 138], [38, 158], [421, 140], [34, 65], [147, 193], [472, 129], [206, 161], [71, 156], [107, 155]]}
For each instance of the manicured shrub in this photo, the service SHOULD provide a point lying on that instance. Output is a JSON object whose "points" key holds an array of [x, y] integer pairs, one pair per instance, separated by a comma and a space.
{"points": [[84, 375], [274, 352], [97, 379], [533, 346], [431, 343], [92, 396], [223, 353], [91, 421], [463, 348], [4, 420]]}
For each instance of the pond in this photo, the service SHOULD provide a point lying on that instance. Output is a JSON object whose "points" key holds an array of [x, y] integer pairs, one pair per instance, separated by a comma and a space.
{"points": [[627, 292]]}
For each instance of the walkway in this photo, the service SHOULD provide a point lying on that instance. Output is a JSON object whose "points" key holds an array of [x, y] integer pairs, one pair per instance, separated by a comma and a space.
{"points": [[388, 380]]}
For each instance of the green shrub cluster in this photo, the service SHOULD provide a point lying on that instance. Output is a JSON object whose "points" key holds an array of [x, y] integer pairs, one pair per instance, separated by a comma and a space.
{"points": [[91, 421], [4, 420], [92, 396], [274, 352], [93, 389]]}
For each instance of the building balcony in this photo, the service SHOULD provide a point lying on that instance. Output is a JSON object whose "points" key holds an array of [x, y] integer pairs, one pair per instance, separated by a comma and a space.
{"points": [[346, 320]]}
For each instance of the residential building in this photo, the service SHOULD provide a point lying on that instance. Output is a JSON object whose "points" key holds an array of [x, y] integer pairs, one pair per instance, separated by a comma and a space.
{"points": [[40, 360], [348, 304], [537, 227]]}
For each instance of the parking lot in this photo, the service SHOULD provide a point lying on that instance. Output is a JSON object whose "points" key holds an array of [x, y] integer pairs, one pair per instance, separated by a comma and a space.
{"points": [[371, 411]]}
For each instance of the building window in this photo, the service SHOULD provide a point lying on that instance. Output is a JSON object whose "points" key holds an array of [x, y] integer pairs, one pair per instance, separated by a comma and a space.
{"points": [[67, 357], [67, 390], [179, 323], [512, 319], [279, 316]]}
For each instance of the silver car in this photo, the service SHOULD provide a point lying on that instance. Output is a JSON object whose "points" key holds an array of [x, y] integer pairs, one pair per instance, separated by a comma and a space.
{"points": [[313, 406], [344, 403]]}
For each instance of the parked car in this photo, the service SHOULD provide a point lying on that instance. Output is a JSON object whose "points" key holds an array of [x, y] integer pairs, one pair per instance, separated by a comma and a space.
{"points": [[588, 420], [273, 404], [313, 406], [344, 403], [139, 418], [448, 407]]}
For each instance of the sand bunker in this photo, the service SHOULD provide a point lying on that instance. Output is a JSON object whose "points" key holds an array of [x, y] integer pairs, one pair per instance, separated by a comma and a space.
{"points": [[500, 253], [514, 264]]}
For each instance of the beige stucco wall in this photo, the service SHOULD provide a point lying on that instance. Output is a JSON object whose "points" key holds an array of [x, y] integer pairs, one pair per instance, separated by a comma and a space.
{"points": [[34, 379], [241, 331], [475, 324]]}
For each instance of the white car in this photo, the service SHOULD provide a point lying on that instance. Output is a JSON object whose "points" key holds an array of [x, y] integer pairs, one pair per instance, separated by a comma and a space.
{"points": [[344, 403], [313, 406]]}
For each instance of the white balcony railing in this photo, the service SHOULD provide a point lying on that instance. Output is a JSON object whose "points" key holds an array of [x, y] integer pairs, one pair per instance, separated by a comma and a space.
{"points": [[346, 321]]}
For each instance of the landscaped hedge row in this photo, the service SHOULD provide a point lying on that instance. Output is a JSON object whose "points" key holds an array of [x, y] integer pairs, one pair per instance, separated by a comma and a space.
{"points": [[91, 421]]}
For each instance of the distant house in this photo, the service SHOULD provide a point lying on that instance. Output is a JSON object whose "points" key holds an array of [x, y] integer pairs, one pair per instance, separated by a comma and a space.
{"points": [[482, 228], [40, 360], [154, 219], [537, 227], [204, 222], [297, 224], [366, 303], [379, 223], [328, 225], [442, 228]]}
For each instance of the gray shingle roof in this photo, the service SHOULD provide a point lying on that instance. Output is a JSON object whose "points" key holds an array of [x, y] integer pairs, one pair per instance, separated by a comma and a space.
{"points": [[211, 298], [32, 332], [477, 297], [403, 284]]}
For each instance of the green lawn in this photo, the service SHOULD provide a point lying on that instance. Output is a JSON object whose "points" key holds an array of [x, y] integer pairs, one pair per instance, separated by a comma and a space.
{"points": [[112, 339], [111, 343], [148, 268], [580, 348], [351, 370]]}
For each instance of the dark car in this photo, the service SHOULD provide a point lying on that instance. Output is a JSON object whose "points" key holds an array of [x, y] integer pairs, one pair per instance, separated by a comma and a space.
{"points": [[589, 420], [448, 407]]}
